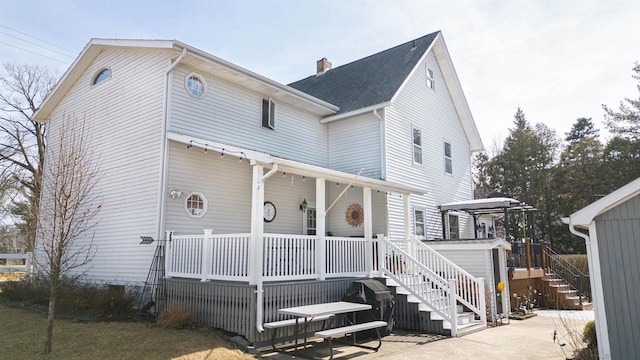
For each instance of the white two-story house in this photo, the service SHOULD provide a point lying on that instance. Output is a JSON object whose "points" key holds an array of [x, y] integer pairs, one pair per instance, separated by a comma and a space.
{"points": [[262, 194]]}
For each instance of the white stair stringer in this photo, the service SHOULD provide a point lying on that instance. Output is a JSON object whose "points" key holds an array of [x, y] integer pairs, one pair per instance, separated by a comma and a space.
{"points": [[426, 297]]}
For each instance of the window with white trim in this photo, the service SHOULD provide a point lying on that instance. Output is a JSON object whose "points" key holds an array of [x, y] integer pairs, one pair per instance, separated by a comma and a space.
{"points": [[196, 205], [448, 161], [454, 227], [417, 146], [101, 76], [195, 85], [418, 223], [430, 82], [268, 114]]}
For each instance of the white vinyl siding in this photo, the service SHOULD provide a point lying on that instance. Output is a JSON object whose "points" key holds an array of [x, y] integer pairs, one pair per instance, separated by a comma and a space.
{"points": [[434, 114], [355, 144], [125, 130], [231, 114]]}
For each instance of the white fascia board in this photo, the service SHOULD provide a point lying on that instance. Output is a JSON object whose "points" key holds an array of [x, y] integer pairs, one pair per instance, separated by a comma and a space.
{"points": [[415, 68], [487, 203], [80, 65], [585, 216], [303, 169], [353, 113], [457, 95], [327, 107]]}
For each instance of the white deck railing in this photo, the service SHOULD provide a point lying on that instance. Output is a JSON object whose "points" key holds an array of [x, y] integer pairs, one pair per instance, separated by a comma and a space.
{"points": [[285, 257], [208, 257]]}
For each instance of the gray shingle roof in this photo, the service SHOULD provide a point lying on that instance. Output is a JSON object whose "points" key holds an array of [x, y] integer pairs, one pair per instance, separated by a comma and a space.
{"points": [[369, 81]]}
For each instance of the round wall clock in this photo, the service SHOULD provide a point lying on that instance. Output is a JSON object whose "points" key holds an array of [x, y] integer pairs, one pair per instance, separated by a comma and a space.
{"points": [[269, 211]]}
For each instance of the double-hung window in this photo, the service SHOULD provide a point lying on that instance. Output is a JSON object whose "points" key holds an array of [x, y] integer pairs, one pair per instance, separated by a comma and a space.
{"points": [[417, 146], [448, 161], [268, 114], [418, 223]]}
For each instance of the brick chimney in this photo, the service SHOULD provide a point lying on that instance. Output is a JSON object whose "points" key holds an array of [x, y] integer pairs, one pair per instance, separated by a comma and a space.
{"points": [[322, 66]]}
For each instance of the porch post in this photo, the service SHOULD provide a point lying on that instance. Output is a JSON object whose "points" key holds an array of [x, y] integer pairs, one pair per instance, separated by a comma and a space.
{"points": [[207, 248], [257, 223], [321, 216], [368, 229], [407, 223]]}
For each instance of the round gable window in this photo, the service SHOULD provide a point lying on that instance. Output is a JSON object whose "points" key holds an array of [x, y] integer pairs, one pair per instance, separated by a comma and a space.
{"points": [[196, 205], [101, 76], [195, 85]]}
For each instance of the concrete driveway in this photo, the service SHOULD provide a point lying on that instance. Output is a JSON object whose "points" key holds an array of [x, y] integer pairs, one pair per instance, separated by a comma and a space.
{"points": [[520, 339]]}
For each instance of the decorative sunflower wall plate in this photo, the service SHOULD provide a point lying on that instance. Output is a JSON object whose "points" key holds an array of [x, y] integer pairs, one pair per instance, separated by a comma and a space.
{"points": [[354, 215]]}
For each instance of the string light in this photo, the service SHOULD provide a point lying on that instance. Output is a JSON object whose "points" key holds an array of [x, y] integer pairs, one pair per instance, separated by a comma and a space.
{"points": [[241, 154]]}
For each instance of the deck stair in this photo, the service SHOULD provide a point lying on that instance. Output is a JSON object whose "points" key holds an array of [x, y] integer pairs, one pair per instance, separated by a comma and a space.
{"points": [[427, 287], [561, 295]]}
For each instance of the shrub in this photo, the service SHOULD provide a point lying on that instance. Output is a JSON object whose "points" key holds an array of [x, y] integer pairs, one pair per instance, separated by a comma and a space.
{"points": [[75, 299], [175, 316], [589, 334]]}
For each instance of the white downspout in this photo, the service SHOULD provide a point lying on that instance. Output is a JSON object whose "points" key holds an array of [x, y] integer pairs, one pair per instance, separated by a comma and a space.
{"points": [[259, 288], [163, 150]]}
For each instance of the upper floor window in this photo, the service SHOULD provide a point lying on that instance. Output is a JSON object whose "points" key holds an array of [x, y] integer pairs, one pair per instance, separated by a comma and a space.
{"points": [[195, 85], [102, 75], [417, 146], [448, 162], [196, 205], [268, 114], [430, 81], [454, 228], [418, 223]]}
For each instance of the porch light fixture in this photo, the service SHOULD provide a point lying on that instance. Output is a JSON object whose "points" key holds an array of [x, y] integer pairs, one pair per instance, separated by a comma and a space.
{"points": [[176, 194], [303, 206]]}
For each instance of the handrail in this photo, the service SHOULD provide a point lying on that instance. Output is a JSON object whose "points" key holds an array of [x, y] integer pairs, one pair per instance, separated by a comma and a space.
{"points": [[423, 283], [434, 280], [469, 293], [568, 273]]}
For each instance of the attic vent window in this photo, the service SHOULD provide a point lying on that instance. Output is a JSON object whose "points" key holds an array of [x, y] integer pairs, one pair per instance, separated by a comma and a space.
{"points": [[102, 75], [430, 81], [268, 114], [195, 85]]}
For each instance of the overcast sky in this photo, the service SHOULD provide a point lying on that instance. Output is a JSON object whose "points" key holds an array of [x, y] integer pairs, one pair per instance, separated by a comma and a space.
{"points": [[558, 60]]}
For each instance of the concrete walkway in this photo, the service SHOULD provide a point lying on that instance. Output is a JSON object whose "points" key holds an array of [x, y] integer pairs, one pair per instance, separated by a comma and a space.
{"points": [[520, 339]]}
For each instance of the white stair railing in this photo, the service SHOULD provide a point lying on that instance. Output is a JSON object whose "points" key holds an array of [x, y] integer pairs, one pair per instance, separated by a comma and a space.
{"points": [[470, 290], [433, 279]]}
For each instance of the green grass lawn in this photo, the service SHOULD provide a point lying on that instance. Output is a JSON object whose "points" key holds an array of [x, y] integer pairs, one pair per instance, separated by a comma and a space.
{"points": [[22, 336]]}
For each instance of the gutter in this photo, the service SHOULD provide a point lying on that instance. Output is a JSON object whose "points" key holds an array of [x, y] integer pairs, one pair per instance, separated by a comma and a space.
{"points": [[337, 117]]}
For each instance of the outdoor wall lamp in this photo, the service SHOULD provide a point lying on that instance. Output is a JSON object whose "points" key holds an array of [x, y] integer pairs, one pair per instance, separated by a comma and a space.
{"points": [[176, 194], [303, 206]]}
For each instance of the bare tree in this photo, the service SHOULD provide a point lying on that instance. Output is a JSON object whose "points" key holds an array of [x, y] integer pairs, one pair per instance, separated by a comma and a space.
{"points": [[68, 212], [22, 142]]}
